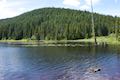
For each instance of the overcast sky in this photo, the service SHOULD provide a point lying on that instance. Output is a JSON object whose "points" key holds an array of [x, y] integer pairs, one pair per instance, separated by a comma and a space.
{"points": [[11, 8]]}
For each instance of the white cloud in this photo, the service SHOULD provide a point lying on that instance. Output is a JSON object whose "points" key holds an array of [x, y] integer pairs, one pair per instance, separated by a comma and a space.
{"points": [[10, 8], [84, 7], [72, 2], [116, 1], [94, 2], [114, 12], [87, 4]]}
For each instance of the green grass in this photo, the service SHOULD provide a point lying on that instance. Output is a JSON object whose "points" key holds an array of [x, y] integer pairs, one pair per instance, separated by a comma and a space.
{"points": [[23, 40], [104, 39]]}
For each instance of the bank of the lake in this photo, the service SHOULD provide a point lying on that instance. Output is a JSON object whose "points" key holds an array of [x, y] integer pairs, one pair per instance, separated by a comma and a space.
{"points": [[101, 40]]}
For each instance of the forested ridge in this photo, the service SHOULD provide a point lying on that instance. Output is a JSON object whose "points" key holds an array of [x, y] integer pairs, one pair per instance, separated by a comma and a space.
{"points": [[57, 24]]}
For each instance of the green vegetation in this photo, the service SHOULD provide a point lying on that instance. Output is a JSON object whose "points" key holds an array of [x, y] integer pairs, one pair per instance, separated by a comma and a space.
{"points": [[59, 24], [111, 39]]}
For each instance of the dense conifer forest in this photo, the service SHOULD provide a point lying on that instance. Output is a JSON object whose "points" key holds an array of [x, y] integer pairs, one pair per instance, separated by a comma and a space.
{"points": [[57, 24]]}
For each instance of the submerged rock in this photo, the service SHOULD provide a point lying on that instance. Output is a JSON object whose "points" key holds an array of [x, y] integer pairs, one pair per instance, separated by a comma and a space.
{"points": [[94, 69]]}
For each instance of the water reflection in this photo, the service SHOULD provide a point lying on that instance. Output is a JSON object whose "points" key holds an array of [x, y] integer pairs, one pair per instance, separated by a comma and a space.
{"points": [[59, 63]]}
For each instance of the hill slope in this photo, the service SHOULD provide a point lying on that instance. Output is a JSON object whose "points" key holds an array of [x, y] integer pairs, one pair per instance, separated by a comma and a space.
{"points": [[56, 24]]}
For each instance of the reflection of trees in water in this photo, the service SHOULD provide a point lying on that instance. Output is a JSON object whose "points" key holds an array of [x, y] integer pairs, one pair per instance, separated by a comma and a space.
{"points": [[75, 75], [70, 62]]}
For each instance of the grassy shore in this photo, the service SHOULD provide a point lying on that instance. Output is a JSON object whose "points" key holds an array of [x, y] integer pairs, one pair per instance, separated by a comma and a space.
{"points": [[104, 39]]}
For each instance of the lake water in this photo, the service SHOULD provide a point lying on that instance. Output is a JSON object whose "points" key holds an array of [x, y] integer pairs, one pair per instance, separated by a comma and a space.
{"points": [[59, 63]]}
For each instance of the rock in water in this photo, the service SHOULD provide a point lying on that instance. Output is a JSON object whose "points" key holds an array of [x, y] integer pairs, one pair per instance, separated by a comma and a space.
{"points": [[94, 69]]}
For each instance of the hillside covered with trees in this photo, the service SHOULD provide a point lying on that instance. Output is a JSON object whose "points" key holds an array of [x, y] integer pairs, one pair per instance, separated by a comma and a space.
{"points": [[57, 24]]}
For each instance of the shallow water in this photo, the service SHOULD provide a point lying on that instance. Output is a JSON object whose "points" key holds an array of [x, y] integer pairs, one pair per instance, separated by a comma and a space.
{"points": [[59, 63]]}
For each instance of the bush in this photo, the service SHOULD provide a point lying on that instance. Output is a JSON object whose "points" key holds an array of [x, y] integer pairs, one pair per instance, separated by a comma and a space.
{"points": [[33, 37], [118, 38]]}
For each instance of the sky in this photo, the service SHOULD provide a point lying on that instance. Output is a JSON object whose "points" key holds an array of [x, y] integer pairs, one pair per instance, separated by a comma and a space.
{"points": [[11, 8]]}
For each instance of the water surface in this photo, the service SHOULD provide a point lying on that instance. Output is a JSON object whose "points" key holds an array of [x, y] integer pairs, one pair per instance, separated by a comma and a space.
{"points": [[59, 63]]}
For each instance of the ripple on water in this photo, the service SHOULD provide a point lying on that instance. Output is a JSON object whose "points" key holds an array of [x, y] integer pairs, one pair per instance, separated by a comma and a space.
{"points": [[57, 63]]}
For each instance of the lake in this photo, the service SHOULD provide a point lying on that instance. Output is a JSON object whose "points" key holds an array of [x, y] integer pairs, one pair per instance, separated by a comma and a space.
{"points": [[59, 63]]}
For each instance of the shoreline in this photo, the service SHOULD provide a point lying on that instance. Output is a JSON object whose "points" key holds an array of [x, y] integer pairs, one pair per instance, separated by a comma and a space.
{"points": [[80, 42], [46, 43]]}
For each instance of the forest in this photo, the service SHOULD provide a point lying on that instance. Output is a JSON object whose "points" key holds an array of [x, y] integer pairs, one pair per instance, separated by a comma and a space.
{"points": [[57, 24]]}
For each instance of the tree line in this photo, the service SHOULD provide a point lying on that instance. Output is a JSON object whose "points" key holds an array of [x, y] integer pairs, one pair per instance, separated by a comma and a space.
{"points": [[58, 24]]}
